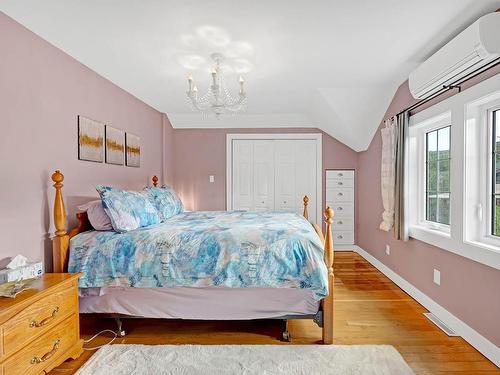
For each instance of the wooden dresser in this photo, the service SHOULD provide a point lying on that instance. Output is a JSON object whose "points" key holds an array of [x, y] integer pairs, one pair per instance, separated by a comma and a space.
{"points": [[39, 329]]}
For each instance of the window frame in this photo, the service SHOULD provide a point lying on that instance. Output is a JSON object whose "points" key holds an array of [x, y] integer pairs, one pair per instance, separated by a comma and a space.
{"points": [[417, 188], [468, 154]]}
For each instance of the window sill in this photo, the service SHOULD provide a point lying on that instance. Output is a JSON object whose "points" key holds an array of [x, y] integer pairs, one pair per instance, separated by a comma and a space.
{"points": [[477, 251]]}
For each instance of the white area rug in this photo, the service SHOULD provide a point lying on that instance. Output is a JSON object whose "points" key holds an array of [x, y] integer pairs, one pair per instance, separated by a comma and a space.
{"points": [[246, 359]]}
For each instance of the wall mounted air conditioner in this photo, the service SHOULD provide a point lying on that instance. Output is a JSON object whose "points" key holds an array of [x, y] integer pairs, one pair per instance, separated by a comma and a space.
{"points": [[472, 49]]}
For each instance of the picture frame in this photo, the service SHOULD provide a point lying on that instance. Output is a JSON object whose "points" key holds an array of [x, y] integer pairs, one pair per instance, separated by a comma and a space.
{"points": [[133, 150], [114, 146], [90, 139]]}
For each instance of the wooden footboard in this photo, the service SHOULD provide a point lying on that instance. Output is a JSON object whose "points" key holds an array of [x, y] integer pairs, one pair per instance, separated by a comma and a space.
{"points": [[60, 246]]}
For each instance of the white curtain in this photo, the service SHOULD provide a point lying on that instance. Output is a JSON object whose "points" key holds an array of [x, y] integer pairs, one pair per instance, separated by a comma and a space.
{"points": [[388, 173]]}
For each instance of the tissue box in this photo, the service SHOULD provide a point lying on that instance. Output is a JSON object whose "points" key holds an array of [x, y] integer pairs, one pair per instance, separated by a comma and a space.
{"points": [[28, 271]]}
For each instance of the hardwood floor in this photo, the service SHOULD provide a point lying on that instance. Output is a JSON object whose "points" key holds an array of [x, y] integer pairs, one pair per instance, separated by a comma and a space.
{"points": [[369, 309]]}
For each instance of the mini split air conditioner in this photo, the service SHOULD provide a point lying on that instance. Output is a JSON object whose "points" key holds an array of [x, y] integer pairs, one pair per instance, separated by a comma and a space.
{"points": [[472, 49]]}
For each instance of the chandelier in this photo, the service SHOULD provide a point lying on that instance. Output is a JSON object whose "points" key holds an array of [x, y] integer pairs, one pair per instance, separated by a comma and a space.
{"points": [[218, 100]]}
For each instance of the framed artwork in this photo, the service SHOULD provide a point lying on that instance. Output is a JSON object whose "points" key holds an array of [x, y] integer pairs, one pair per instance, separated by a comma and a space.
{"points": [[90, 140], [115, 146], [133, 146]]}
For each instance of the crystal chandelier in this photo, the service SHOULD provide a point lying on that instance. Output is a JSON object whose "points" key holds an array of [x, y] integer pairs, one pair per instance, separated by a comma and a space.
{"points": [[218, 100]]}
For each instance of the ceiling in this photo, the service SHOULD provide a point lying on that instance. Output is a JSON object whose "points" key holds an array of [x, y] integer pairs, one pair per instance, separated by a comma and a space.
{"points": [[334, 65]]}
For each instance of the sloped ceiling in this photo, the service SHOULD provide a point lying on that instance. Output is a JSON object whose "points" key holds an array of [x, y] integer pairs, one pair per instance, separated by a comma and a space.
{"points": [[328, 64]]}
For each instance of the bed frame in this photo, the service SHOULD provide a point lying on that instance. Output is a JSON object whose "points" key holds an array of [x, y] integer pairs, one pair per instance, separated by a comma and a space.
{"points": [[60, 247]]}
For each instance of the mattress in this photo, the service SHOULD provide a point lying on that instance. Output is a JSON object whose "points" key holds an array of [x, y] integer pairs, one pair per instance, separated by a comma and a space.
{"points": [[210, 303], [235, 249]]}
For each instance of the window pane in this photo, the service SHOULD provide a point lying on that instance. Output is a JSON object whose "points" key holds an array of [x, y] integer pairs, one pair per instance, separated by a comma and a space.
{"points": [[443, 203], [496, 216], [432, 146], [438, 175], [444, 175], [432, 167], [444, 143], [431, 207]]}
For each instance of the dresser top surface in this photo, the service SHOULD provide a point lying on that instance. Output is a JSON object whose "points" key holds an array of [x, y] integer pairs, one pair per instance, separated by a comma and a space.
{"points": [[45, 283]]}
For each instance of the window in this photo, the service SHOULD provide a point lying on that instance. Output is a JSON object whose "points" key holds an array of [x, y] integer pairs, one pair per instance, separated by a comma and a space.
{"points": [[437, 175], [429, 183], [453, 174], [495, 178]]}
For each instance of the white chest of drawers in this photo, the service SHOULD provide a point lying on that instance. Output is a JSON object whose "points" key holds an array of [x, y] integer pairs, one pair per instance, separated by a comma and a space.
{"points": [[340, 196]]}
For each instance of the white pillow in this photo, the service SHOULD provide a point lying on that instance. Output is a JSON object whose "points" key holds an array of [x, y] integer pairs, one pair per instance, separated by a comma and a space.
{"points": [[97, 216]]}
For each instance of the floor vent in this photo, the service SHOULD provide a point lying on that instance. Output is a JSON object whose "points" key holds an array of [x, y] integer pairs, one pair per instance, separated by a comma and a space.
{"points": [[440, 324]]}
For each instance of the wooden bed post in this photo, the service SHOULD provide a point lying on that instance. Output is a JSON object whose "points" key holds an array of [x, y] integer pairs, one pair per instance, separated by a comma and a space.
{"points": [[60, 241], [155, 181], [328, 301], [306, 202]]}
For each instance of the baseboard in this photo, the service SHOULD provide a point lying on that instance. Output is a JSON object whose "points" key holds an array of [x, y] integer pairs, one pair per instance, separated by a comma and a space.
{"points": [[481, 343]]}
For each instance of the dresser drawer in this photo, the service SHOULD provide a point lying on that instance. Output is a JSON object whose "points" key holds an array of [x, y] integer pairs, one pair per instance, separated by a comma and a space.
{"points": [[343, 224], [38, 318], [340, 195], [44, 352], [342, 237], [340, 174], [341, 209], [339, 183]]}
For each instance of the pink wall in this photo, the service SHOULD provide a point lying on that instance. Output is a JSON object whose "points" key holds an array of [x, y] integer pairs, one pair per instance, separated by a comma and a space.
{"points": [[42, 90], [200, 153], [468, 289]]}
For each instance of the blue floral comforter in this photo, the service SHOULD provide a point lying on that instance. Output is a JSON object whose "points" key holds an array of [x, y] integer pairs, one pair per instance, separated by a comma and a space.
{"points": [[205, 248]]}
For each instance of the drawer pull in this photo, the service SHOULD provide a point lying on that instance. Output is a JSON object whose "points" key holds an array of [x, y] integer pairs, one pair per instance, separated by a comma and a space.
{"points": [[339, 208], [340, 194], [340, 236], [340, 222], [43, 322], [46, 356], [340, 174], [340, 183]]}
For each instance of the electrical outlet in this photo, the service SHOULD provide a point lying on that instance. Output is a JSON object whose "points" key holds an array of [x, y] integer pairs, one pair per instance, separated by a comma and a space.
{"points": [[437, 277], [387, 249], [211, 178]]}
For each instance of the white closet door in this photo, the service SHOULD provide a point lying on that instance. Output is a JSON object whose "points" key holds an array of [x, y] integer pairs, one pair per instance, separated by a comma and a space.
{"points": [[284, 166], [243, 174], [306, 178], [263, 175]]}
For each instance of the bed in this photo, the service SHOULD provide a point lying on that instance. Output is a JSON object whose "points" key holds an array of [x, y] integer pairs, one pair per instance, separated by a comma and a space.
{"points": [[208, 265]]}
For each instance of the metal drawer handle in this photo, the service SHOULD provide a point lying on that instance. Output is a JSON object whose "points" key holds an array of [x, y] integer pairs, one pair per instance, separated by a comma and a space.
{"points": [[284, 202], [340, 174], [340, 183], [46, 356], [340, 194], [339, 208], [43, 322], [340, 237], [340, 222]]}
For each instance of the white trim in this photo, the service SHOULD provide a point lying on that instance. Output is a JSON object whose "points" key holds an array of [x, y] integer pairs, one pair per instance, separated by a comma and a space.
{"points": [[318, 137], [478, 341]]}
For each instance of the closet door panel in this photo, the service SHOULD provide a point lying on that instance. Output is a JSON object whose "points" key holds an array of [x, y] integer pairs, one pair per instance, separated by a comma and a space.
{"points": [[263, 174], [305, 172], [242, 175], [284, 166]]}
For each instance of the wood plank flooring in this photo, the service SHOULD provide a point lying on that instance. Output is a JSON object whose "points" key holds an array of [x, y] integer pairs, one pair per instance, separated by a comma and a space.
{"points": [[369, 309]]}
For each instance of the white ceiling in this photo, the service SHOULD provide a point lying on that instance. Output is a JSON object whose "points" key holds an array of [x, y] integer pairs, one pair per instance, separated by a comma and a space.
{"points": [[332, 64]]}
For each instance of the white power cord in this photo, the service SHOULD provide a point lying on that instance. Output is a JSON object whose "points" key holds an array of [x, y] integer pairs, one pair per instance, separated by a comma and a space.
{"points": [[97, 334]]}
